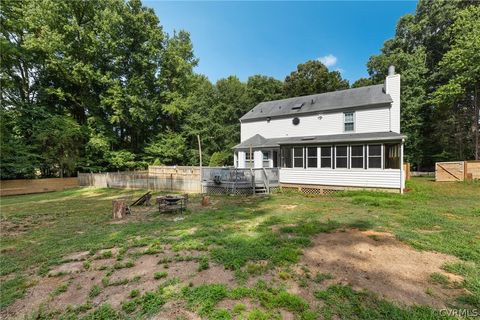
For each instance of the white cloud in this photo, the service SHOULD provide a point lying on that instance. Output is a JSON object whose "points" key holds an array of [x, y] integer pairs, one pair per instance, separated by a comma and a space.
{"points": [[328, 60]]}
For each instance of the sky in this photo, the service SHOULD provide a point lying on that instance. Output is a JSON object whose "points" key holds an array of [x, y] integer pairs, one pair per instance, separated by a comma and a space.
{"points": [[272, 38]]}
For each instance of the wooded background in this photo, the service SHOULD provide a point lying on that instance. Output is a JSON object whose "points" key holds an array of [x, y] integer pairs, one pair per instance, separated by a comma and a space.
{"points": [[95, 86]]}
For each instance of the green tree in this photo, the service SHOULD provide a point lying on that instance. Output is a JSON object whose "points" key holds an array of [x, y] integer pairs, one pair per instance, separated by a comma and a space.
{"points": [[362, 82], [461, 65], [436, 130], [313, 77], [220, 158], [57, 137], [262, 88], [122, 160], [168, 148], [18, 160]]}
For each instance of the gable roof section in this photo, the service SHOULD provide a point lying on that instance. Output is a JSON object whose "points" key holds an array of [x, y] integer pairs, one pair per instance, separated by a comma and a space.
{"points": [[257, 141], [357, 97]]}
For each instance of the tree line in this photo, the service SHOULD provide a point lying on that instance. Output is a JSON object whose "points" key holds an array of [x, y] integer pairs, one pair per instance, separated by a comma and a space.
{"points": [[99, 86]]}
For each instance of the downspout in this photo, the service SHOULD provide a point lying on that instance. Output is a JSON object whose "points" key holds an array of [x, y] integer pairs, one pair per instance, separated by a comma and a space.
{"points": [[401, 168]]}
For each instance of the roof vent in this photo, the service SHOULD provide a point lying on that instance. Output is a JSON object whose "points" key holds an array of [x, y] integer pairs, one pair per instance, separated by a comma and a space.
{"points": [[298, 106], [312, 102], [308, 138]]}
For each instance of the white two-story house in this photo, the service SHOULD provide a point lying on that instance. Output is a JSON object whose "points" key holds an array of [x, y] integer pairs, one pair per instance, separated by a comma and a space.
{"points": [[349, 138]]}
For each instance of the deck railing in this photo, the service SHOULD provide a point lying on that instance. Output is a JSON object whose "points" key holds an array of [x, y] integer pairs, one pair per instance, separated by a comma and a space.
{"points": [[236, 180]]}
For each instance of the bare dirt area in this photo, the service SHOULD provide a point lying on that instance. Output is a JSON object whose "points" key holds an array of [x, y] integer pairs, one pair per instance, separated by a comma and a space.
{"points": [[175, 310], [382, 264], [71, 283], [365, 260]]}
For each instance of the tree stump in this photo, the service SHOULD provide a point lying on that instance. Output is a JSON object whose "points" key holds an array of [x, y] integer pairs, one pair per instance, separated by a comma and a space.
{"points": [[120, 209], [205, 201]]}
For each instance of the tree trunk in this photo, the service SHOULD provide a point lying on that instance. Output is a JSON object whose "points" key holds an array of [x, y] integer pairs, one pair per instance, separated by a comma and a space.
{"points": [[119, 209], [476, 109]]}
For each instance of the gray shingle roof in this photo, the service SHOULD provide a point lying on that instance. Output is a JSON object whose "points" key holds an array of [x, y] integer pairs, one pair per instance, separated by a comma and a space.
{"points": [[257, 141], [357, 97]]}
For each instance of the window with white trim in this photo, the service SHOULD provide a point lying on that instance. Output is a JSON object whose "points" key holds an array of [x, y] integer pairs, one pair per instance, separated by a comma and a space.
{"points": [[341, 157], [348, 121], [326, 157], [312, 156], [356, 157], [266, 160], [392, 156], [286, 157], [375, 156], [298, 157], [249, 159]]}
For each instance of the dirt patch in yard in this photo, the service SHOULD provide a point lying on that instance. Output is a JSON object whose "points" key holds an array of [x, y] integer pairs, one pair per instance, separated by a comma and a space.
{"points": [[175, 310], [38, 295], [66, 268], [70, 283], [382, 264], [214, 274]]}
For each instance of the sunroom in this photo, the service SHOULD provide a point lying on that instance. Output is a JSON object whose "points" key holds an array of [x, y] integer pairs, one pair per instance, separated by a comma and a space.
{"points": [[349, 160]]}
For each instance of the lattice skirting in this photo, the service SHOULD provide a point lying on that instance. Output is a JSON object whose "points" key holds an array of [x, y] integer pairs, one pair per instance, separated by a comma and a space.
{"points": [[218, 190], [326, 190]]}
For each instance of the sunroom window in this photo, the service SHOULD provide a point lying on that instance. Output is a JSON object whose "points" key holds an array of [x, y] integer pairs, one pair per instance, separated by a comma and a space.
{"points": [[375, 156], [356, 157], [341, 157], [326, 157], [286, 157], [312, 157], [392, 156], [298, 157]]}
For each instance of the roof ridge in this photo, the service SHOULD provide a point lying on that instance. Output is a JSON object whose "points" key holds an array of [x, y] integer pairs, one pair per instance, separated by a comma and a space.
{"points": [[373, 95], [322, 93]]}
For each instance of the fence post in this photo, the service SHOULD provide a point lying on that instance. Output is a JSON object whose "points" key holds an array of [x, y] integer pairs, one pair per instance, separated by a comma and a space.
{"points": [[253, 180]]}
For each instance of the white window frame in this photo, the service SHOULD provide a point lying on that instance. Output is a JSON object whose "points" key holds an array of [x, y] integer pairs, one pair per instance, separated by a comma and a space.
{"points": [[266, 160], [307, 157], [351, 156], [345, 122], [285, 150], [385, 155], [249, 163], [347, 156], [293, 157], [320, 157], [381, 155]]}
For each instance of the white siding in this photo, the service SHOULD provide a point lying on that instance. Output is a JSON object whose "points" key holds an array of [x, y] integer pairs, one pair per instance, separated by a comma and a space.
{"points": [[392, 87], [372, 120], [366, 120], [257, 159], [241, 159], [347, 178]]}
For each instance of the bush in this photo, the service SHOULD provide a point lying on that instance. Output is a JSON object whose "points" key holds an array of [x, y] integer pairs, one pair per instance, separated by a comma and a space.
{"points": [[219, 159]]}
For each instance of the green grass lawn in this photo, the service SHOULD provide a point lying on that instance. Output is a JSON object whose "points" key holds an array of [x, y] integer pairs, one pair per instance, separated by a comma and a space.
{"points": [[38, 230]]}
